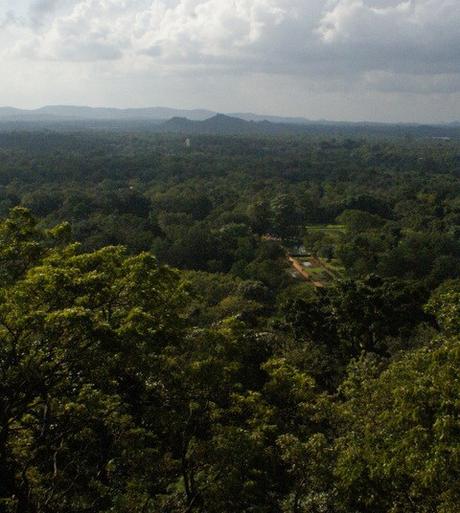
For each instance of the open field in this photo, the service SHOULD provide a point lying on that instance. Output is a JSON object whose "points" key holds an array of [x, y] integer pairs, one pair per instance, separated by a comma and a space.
{"points": [[326, 228], [314, 268]]}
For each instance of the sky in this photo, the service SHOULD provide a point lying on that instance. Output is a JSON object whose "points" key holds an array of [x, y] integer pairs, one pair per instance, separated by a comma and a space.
{"points": [[374, 60]]}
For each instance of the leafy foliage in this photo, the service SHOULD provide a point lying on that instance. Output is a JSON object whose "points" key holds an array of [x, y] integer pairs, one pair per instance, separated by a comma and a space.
{"points": [[228, 384]]}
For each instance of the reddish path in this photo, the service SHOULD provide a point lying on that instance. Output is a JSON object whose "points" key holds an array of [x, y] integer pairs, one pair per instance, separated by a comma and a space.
{"points": [[305, 274], [317, 263]]}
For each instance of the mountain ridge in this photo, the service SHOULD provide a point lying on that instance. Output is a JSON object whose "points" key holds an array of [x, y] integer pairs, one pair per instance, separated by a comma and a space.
{"points": [[198, 121], [74, 112]]}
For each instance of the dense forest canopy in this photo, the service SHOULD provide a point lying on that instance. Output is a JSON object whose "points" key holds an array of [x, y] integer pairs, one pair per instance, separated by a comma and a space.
{"points": [[242, 324]]}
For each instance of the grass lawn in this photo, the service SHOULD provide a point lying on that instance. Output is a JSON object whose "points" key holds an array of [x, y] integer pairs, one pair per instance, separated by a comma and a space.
{"points": [[334, 266], [318, 273], [327, 228]]}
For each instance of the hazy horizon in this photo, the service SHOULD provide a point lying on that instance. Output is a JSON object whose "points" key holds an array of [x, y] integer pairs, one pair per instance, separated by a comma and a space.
{"points": [[340, 60], [212, 112]]}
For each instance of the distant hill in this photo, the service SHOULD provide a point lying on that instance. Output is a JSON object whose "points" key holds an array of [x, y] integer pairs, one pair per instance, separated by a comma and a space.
{"points": [[10, 111], [219, 124], [202, 121], [249, 116], [69, 112]]}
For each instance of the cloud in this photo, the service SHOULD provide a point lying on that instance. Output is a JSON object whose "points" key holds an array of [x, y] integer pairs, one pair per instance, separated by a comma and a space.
{"points": [[8, 19], [41, 11], [408, 36], [406, 45], [406, 83]]}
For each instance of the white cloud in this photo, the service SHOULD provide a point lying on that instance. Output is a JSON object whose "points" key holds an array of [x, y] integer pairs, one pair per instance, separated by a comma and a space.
{"points": [[415, 36], [86, 30], [411, 46]]}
